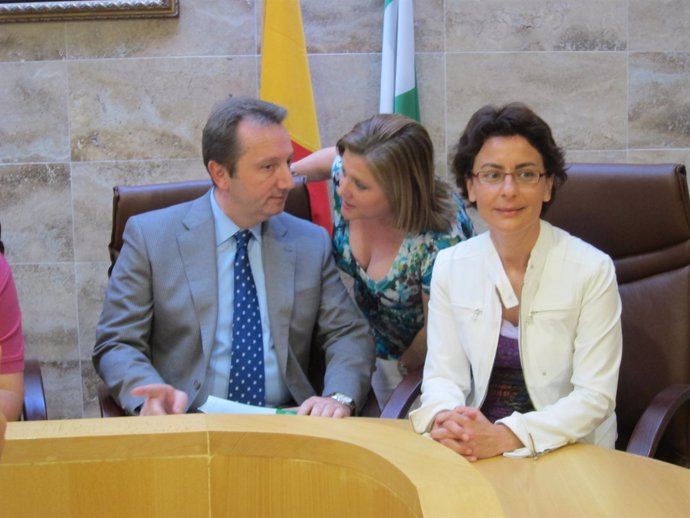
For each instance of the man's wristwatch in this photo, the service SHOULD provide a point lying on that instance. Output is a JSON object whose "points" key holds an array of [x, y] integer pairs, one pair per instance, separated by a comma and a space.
{"points": [[343, 400]]}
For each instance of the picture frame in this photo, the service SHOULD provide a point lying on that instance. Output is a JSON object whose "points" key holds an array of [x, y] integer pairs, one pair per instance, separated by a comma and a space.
{"points": [[68, 10]]}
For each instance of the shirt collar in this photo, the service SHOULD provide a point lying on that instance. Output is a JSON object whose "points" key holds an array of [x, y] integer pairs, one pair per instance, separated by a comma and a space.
{"points": [[226, 227]]}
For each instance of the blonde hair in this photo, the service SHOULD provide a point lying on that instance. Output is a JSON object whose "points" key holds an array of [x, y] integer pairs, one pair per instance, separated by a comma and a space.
{"points": [[400, 156]]}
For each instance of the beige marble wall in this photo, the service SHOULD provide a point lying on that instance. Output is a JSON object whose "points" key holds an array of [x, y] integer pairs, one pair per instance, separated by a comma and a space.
{"points": [[87, 105]]}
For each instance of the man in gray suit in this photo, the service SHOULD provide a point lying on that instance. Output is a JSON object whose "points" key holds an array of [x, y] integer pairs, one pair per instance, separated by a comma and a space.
{"points": [[164, 339]]}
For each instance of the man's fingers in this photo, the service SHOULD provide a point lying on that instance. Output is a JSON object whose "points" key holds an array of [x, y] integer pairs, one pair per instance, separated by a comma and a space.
{"points": [[151, 390], [323, 407], [180, 403]]}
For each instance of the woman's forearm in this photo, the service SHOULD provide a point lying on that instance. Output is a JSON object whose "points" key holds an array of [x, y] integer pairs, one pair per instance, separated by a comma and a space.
{"points": [[316, 166]]}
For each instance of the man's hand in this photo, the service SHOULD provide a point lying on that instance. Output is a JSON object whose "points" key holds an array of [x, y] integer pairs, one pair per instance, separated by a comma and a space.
{"points": [[323, 407], [161, 399]]}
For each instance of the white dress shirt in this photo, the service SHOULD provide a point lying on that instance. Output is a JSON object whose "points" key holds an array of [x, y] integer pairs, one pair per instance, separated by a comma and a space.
{"points": [[218, 373]]}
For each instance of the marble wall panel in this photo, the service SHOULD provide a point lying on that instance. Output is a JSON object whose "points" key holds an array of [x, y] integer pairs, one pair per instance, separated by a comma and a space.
{"points": [[584, 113], [92, 189], [47, 297], [661, 25], [33, 126], [659, 99], [36, 213], [344, 27], [429, 26], [63, 389], [617, 156], [149, 108], [204, 28], [91, 280], [334, 26], [535, 25], [90, 381], [32, 42], [660, 156], [431, 78], [345, 91]]}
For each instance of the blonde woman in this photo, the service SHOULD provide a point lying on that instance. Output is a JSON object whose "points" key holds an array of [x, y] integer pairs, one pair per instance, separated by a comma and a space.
{"points": [[391, 217]]}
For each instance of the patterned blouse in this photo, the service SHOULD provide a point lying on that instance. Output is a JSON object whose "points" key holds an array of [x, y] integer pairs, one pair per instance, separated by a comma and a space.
{"points": [[393, 305]]}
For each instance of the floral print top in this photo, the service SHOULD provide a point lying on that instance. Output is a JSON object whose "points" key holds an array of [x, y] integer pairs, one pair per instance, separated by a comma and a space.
{"points": [[393, 305]]}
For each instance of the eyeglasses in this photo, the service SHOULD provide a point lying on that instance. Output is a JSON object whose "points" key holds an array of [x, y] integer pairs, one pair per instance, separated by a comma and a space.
{"points": [[496, 177]]}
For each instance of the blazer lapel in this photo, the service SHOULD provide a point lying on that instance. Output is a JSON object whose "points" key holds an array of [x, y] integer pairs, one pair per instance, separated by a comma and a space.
{"points": [[279, 259], [197, 249]]}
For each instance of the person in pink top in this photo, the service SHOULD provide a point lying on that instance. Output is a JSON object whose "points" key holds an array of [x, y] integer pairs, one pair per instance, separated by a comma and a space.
{"points": [[11, 344]]}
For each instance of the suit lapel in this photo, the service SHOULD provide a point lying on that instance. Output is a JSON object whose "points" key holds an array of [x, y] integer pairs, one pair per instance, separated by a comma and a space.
{"points": [[279, 259], [197, 249]]}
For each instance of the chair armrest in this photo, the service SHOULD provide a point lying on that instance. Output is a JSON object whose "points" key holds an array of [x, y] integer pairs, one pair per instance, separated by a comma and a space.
{"points": [[109, 408], [651, 426], [34, 396], [403, 396]]}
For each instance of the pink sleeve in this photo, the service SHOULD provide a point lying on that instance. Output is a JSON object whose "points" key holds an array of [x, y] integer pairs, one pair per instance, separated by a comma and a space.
{"points": [[11, 337]]}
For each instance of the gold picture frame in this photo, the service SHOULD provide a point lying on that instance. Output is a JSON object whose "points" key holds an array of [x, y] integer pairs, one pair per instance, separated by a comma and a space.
{"points": [[87, 10]]}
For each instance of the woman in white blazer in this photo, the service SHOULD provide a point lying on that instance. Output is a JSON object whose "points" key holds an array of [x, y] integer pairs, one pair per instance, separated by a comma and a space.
{"points": [[524, 335]]}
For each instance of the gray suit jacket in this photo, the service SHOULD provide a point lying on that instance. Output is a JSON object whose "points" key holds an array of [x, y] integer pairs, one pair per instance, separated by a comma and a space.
{"points": [[159, 315]]}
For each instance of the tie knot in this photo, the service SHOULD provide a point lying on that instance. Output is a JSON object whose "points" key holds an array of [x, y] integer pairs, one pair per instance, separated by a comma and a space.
{"points": [[242, 238]]}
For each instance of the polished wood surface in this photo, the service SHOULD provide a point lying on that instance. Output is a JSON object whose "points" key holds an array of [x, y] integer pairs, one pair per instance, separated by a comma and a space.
{"points": [[582, 480], [585, 480], [197, 465]]}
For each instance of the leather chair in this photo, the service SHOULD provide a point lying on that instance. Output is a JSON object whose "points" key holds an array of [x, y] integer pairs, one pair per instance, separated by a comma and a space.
{"points": [[131, 200], [640, 216], [34, 408]]}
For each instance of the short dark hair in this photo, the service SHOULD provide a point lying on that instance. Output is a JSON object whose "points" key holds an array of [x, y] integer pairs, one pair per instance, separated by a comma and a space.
{"points": [[505, 121], [219, 141]]}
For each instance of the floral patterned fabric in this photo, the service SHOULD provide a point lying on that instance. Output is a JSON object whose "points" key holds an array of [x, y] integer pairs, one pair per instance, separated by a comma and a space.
{"points": [[393, 305]]}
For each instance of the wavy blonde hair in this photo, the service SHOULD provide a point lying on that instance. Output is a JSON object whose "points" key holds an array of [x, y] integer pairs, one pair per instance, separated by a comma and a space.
{"points": [[400, 156]]}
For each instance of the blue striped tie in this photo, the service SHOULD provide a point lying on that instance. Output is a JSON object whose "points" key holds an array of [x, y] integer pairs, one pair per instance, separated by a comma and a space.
{"points": [[247, 383]]}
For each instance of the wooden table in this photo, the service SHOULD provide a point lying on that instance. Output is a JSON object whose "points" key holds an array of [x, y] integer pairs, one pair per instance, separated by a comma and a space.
{"points": [[582, 480], [241, 465], [197, 465]]}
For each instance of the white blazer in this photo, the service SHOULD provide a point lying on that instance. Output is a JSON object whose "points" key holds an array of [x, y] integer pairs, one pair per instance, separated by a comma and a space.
{"points": [[570, 337]]}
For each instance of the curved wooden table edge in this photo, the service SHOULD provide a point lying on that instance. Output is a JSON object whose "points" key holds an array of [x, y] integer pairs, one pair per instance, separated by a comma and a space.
{"points": [[445, 483]]}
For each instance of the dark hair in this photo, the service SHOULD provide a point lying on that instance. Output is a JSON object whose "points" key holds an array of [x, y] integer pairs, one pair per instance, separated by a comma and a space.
{"points": [[2, 247], [505, 121], [219, 141], [400, 156]]}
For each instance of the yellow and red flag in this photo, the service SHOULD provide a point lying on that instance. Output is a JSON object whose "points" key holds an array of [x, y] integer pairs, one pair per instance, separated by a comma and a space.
{"points": [[286, 80]]}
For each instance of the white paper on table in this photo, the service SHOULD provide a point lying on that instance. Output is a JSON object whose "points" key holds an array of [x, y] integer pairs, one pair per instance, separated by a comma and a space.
{"points": [[216, 405]]}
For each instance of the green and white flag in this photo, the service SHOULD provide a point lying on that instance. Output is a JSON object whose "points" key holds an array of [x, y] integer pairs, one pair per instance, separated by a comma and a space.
{"points": [[398, 77]]}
